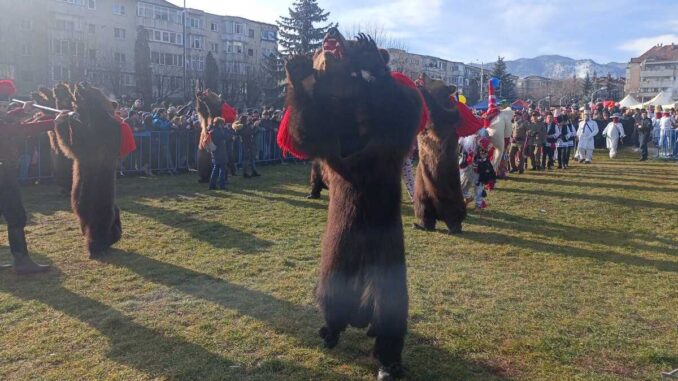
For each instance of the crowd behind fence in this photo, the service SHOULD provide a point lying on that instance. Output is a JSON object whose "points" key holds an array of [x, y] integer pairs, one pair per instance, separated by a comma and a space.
{"points": [[157, 152]]}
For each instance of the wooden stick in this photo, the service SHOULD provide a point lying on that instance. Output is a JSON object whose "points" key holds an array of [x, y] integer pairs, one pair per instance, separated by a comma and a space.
{"points": [[40, 107]]}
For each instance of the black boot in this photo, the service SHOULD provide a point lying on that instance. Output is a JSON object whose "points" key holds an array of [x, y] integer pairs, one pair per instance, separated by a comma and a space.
{"points": [[22, 263], [255, 173]]}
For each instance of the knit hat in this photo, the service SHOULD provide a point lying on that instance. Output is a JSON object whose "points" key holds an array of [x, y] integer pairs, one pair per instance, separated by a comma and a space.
{"points": [[7, 89]]}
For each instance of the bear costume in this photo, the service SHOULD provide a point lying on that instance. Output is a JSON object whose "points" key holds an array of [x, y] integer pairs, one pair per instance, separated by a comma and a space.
{"points": [[437, 192], [346, 109], [91, 137]]}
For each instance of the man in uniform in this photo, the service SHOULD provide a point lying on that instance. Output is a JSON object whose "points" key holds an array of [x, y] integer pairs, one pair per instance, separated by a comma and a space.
{"points": [[518, 136], [536, 136], [12, 133]]}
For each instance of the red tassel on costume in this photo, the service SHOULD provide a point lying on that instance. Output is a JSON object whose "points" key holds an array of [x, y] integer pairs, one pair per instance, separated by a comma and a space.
{"points": [[469, 124], [127, 143], [228, 113], [406, 81], [285, 140], [7, 88]]}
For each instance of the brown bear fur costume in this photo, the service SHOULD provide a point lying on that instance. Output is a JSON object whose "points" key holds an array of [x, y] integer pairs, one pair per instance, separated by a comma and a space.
{"points": [[91, 138], [437, 191], [347, 110], [318, 183]]}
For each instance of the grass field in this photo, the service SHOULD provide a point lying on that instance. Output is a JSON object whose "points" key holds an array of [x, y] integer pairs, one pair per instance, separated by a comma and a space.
{"points": [[567, 276]]}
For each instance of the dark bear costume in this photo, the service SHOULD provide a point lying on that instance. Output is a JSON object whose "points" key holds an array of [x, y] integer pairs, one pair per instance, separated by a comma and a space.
{"points": [[91, 138], [345, 108], [437, 191], [318, 183]]}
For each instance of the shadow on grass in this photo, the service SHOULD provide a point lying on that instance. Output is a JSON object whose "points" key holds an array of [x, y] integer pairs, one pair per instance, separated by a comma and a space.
{"points": [[621, 239], [621, 201], [568, 251], [148, 350], [290, 201], [214, 233], [299, 322], [575, 182]]}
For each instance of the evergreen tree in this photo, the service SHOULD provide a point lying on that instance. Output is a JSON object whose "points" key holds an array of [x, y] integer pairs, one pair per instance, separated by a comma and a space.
{"points": [[587, 86], [507, 89], [211, 73], [142, 66], [273, 73], [297, 33]]}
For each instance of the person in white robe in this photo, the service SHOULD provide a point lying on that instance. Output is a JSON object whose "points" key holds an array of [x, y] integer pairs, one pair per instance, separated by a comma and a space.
{"points": [[613, 133], [588, 129]]}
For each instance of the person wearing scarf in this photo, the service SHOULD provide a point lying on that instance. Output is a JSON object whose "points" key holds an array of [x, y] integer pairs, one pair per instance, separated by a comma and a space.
{"points": [[552, 135], [565, 141], [586, 133]]}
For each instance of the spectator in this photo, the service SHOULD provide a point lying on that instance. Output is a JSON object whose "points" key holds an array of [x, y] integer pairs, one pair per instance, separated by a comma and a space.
{"points": [[163, 127], [247, 133], [644, 133], [219, 154]]}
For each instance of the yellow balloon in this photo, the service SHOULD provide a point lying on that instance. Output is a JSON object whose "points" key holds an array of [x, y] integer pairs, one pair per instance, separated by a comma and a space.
{"points": [[462, 98]]}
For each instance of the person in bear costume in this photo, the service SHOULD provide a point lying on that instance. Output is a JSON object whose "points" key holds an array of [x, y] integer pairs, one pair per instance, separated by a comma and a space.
{"points": [[347, 109], [437, 192], [95, 140], [318, 183]]}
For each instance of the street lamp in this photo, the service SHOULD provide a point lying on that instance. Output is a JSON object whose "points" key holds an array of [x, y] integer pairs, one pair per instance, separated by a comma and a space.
{"points": [[594, 93]]}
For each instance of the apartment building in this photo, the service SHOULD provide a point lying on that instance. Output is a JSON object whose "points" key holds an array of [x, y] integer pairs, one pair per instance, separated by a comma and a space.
{"points": [[465, 77], [654, 71], [52, 40]]}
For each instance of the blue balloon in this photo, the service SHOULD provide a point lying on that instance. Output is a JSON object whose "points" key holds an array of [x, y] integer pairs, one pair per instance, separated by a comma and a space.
{"points": [[495, 82]]}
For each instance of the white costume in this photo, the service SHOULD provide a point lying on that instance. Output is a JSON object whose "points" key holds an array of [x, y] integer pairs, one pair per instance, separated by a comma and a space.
{"points": [[500, 128], [665, 144], [588, 129], [613, 132]]}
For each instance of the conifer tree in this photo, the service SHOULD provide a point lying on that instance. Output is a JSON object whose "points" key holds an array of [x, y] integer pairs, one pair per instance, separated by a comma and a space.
{"points": [[298, 33]]}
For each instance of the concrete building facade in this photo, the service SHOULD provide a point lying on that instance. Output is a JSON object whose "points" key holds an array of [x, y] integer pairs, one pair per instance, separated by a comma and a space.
{"points": [[46, 41], [654, 71]]}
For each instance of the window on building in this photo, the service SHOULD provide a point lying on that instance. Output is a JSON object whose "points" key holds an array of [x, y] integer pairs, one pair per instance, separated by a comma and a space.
{"points": [[214, 47], [92, 28], [92, 55], [195, 22], [251, 33], [118, 9], [238, 28], [26, 49], [197, 42], [268, 35], [92, 4], [119, 58], [214, 27], [250, 52], [119, 33]]}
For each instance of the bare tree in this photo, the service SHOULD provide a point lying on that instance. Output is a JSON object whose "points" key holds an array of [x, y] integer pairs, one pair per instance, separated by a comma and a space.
{"points": [[381, 36]]}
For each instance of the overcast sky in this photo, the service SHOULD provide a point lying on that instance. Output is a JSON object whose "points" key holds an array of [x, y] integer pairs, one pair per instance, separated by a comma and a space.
{"points": [[471, 31]]}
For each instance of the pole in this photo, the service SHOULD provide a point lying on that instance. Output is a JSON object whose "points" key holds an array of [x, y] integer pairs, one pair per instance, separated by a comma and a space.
{"points": [[44, 108], [482, 79], [185, 56]]}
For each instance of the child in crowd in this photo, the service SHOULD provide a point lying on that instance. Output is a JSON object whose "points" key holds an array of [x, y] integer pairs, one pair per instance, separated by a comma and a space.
{"points": [[218, 150], [476, 170]]}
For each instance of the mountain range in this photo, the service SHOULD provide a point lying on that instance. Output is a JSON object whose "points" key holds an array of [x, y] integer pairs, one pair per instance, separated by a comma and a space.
{"points": [[559, 67]]}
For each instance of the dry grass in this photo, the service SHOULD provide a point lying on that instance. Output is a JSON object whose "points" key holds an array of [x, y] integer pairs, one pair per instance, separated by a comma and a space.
{"points": [[568, 275]]}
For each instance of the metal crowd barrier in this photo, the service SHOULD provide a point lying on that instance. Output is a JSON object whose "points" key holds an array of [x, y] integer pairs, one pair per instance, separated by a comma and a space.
{"points": [[667, 144], [157, 152]]}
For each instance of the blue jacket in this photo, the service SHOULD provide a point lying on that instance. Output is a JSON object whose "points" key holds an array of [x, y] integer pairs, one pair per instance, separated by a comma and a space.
{"points": [[219, 139]]}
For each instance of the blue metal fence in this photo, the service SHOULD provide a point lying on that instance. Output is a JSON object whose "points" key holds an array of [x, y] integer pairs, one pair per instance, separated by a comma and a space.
{"points": [[157, 151]]}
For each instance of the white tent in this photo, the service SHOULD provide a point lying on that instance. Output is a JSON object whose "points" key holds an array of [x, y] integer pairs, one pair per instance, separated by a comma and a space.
{"points": [[663, 98], [629, 101]]}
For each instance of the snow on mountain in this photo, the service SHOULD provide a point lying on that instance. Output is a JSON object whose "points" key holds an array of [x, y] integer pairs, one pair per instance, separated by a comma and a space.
{"points": [[559, 67]]}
